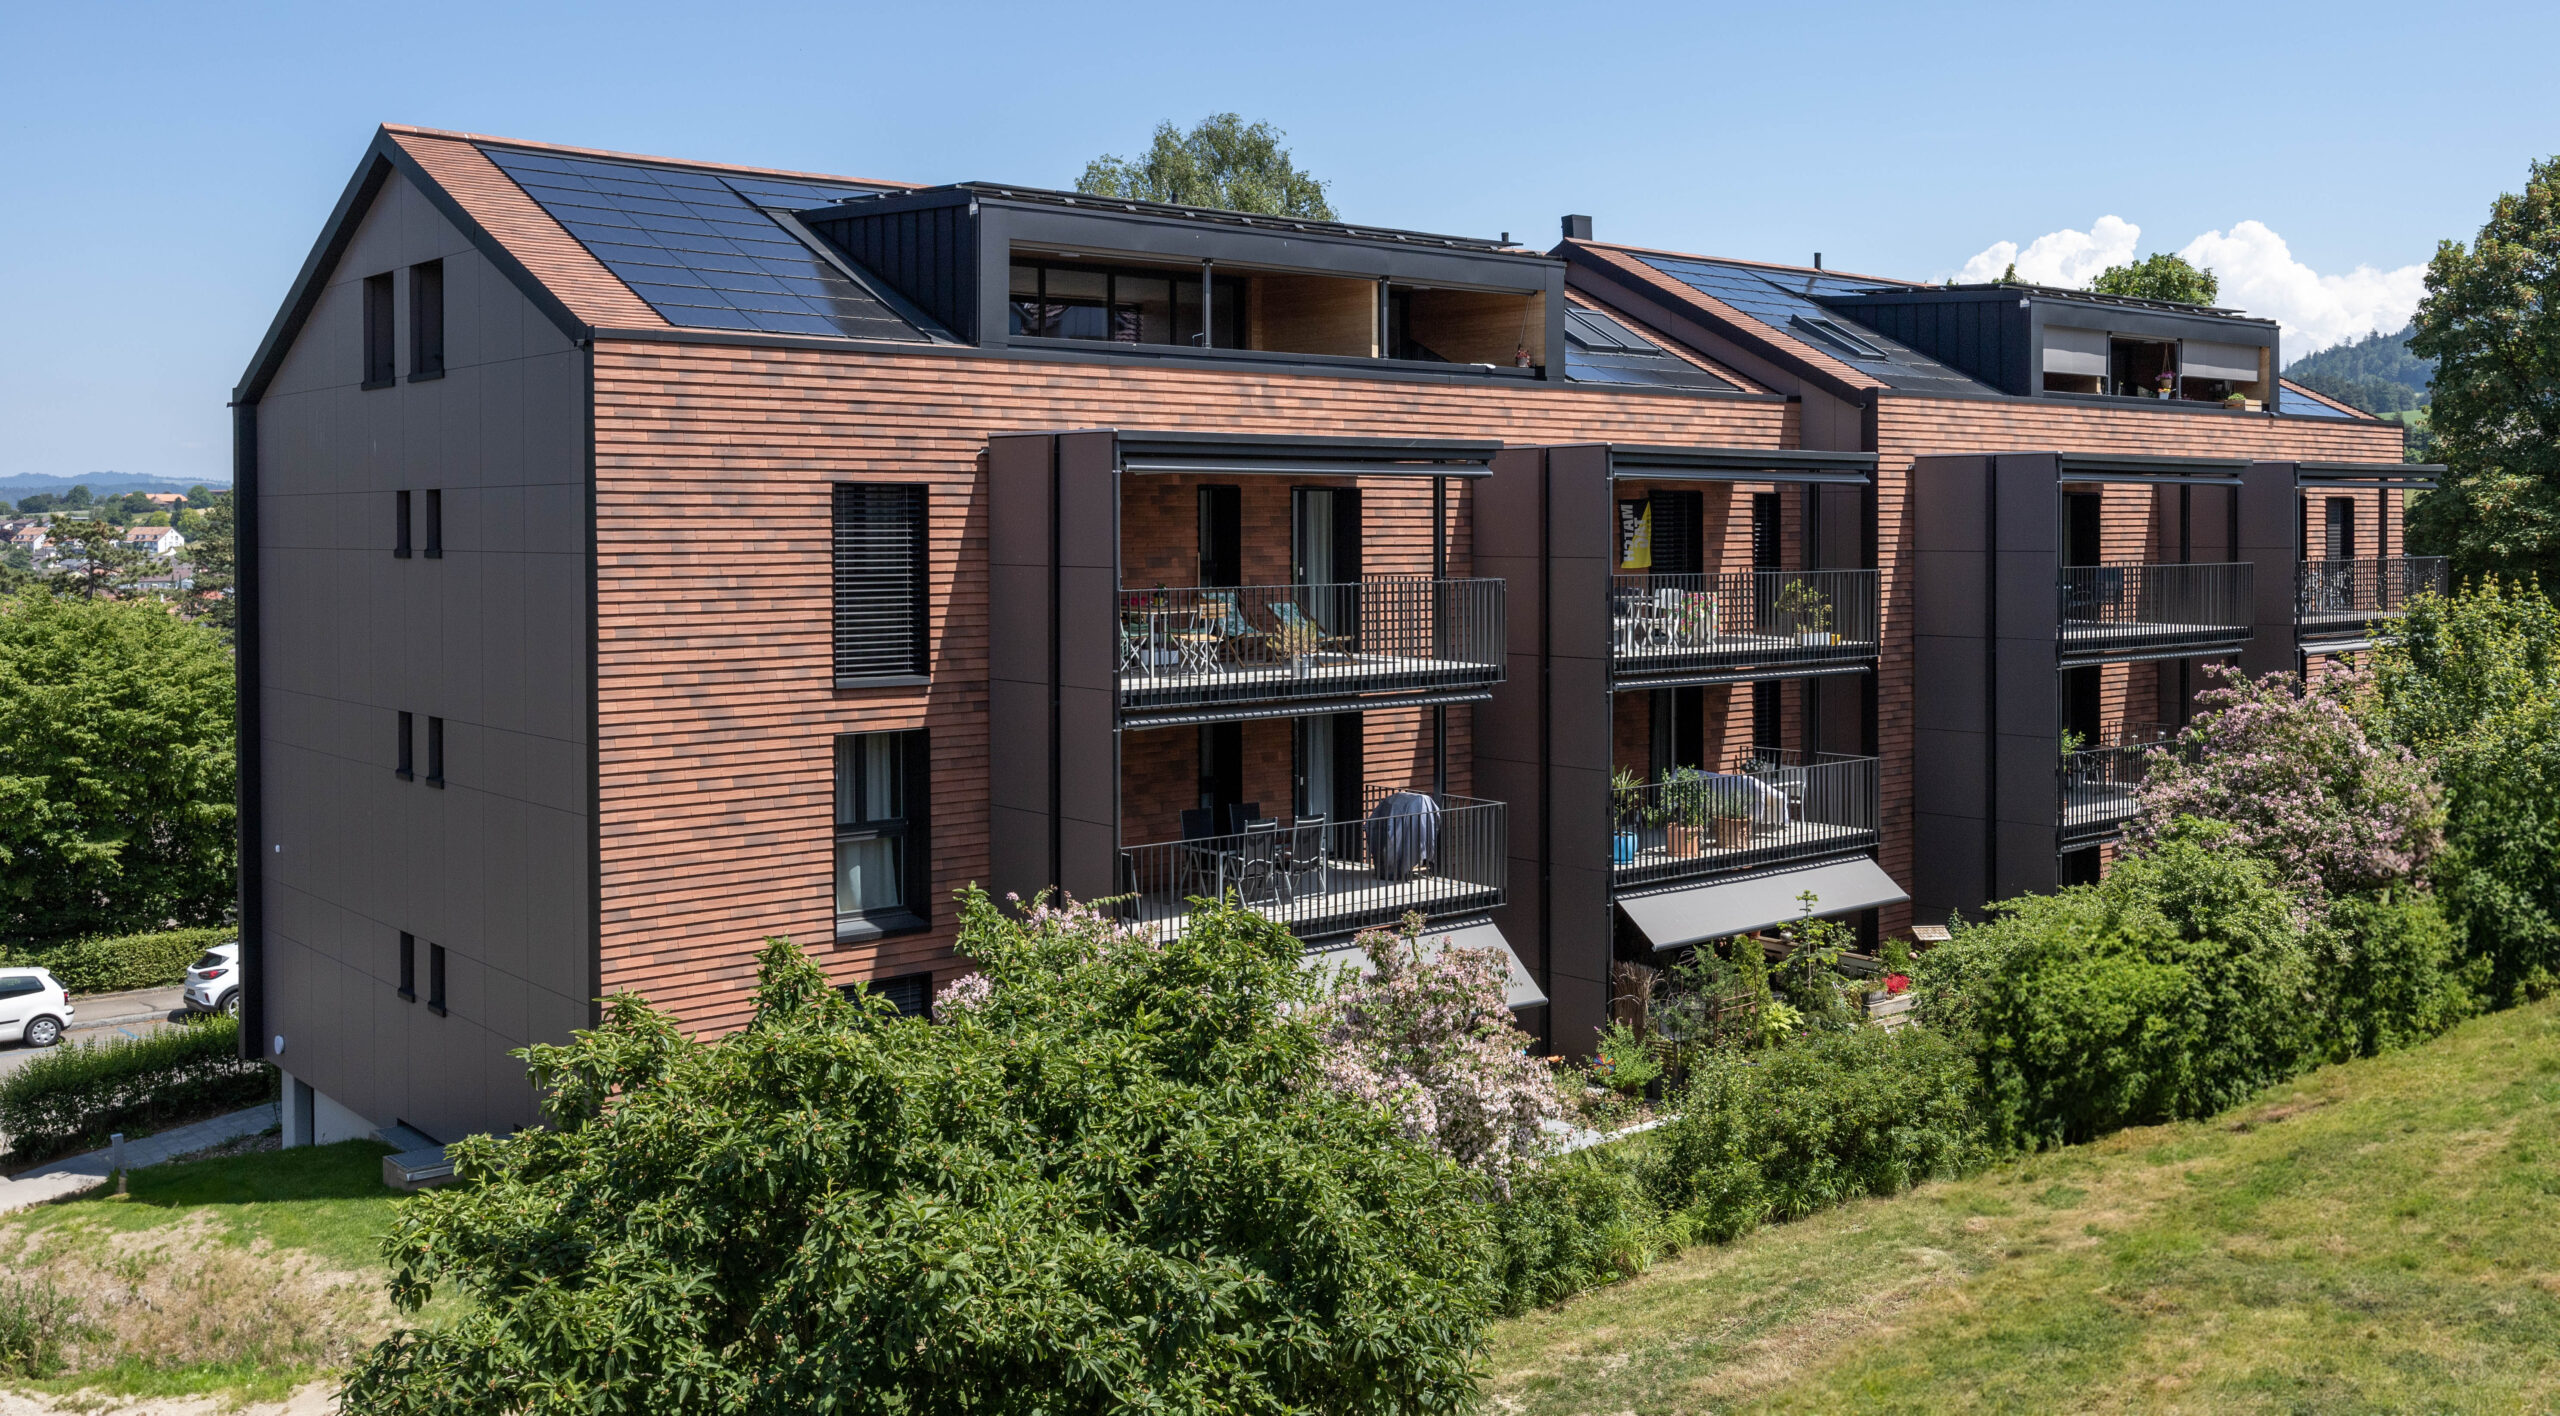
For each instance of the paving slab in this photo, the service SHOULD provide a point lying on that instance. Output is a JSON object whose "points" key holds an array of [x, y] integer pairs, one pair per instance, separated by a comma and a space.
{"points": [[72, 1175]]}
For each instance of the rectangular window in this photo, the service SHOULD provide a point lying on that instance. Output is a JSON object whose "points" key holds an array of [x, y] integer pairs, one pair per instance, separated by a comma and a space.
{"points": [[400, 525], [2341, 529], [408, 760], [409, 966], [435, 524], [435, 752], [882, 865], [435, 978], [378, 369], [880, 583], [426, 321]]}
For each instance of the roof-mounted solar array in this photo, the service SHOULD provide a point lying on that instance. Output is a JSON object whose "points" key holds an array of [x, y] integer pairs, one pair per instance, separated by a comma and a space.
{"points": [[1598, 349], [1778, 299], [700, 248]]}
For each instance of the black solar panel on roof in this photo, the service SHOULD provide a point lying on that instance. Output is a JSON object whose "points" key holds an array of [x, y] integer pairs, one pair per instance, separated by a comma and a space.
{"points": [[1598, 349], [700, 251], [1779, 298], [1601, 334], [2304, 405]]}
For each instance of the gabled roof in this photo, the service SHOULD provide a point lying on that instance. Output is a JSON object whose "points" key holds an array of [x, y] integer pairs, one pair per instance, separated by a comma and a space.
{"points": [[1779, 307]]}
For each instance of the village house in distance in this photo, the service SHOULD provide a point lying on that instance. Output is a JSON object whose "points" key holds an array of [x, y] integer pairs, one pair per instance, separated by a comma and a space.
{"points": [[641, 557]]}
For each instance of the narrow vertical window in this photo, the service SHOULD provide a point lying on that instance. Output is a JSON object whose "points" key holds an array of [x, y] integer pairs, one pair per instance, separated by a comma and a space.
{"points": [[435, 977], [400, 525], [378, 371], [434, 528], [880, 582], [435, 752], [407, 758], [881, 856], [408, 966], [426, 321]]}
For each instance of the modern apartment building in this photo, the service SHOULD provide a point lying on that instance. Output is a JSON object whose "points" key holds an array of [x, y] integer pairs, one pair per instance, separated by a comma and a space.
{"points": [[645, 557]]}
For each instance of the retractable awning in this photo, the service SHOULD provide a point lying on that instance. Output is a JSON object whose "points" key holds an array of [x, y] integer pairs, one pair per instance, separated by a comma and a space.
{"points": [[1248, 454], [1740, 464], [1679, 917], [1520, 990]]}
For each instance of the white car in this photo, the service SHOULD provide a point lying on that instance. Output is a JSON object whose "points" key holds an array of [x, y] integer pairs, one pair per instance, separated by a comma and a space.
{"points": [[213, 982], [33, 1007]]}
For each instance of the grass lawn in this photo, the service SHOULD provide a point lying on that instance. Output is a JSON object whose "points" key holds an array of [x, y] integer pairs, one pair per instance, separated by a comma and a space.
{"points": [[2382, 1236], [243, 1276]]}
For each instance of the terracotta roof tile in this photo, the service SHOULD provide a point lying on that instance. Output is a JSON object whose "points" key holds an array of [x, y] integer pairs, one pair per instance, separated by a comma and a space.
{"points": [[405, 130], [592, 293]]}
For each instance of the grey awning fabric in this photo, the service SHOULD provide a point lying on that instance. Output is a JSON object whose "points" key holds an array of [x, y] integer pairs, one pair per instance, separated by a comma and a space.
{"points": [[1679, 917], [1521, 991], [2075, 351], [2210, 359]]}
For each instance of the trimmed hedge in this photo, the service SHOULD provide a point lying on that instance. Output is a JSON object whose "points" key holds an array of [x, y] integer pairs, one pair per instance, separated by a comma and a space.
{"points": [[123, 961], [82, 1093]]}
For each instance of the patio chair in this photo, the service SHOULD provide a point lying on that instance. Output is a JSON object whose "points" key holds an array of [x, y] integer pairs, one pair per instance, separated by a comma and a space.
{"points": [[1306, 859], [1241, 814], [1200, 852], [1218, 630], [1254, 866], [1133, 659], [1299, 636]]}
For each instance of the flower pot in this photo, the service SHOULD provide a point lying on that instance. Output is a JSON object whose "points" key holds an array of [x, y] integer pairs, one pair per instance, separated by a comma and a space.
{"points": [[1622, 847], [1732, 832], [1686, 841]]}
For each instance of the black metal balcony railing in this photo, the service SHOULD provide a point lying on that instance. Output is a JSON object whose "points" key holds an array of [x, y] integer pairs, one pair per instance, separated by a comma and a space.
{"points": [[1669, 625], [1444, 856], [2345, 595], [1778, 806], [2132, 606], [1202, 646], [2099, 781]]}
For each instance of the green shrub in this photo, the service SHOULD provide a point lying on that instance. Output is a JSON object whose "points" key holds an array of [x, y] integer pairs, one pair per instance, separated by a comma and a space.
{"points": [[83, 1092], [1577, 1222], [2171, 989], [1112, 1177], [2390, 974], [1810, 1124], [125, 961], [36, 1321]]}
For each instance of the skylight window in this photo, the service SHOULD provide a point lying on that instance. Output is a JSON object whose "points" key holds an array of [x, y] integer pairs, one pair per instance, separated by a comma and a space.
{"points": [[1831, 332], [1602, 335]]}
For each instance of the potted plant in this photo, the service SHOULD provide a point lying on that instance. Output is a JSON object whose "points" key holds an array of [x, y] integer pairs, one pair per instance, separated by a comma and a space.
{"points": [[2168, 384], [1626, 791], [1682, 804], [2235, 399], [1806, 608], [1732, 823], [2074, 770]]}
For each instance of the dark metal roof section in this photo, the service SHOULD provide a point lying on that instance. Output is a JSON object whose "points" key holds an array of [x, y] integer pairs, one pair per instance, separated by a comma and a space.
{"points": [[2192, 471], [1248, 453], [1740, 464], [1600, 349], [1281, 225], [2092, 297], [713, 251], [1794, 303]]}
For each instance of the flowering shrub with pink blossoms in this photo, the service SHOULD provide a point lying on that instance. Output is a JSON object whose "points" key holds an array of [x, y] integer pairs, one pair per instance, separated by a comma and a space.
{"points": [[2290, 770], [1427, 1034]]}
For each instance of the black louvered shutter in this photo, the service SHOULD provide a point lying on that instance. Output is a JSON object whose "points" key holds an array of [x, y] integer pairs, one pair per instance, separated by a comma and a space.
{"points": [[880, 582]]}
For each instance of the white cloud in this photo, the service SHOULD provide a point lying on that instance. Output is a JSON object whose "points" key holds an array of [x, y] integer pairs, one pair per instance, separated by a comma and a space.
{"points": [[2260, 275], [2067, 258], [2257, 270]]}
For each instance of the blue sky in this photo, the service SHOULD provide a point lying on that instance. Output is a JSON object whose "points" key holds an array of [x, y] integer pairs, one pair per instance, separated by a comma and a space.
{"points": [[166, 167]]}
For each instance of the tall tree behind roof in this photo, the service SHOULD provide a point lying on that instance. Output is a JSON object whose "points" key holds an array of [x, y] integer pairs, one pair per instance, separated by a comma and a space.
{"points": [[2159, 276], [2491, 321], [1222, 162]]}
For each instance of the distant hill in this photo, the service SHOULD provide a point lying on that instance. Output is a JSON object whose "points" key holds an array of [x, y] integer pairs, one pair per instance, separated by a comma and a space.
{"points": [[102, 484], [2376, 373]]}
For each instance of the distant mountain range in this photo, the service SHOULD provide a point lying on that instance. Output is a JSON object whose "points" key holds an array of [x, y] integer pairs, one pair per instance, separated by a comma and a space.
{"points": [[100, 484], [2376, 373]]}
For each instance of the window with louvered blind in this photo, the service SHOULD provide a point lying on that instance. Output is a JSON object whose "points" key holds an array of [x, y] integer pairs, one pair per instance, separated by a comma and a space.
{"points": [[880, 583]]}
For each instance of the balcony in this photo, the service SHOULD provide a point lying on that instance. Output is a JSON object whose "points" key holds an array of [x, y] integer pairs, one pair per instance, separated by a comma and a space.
{"points": [[1222, 652], [2128, 608], [2098, 784], [2333, 597], [1673, 628], [1441, 855], [1777, 807]]}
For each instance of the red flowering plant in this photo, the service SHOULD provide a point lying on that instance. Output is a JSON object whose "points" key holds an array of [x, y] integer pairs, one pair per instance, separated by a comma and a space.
{"points": [[1896, 983], [2290, 770]]}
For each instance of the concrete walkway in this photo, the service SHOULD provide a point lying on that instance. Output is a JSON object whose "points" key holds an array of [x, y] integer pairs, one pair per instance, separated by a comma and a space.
{"points": [[74, 1174]]}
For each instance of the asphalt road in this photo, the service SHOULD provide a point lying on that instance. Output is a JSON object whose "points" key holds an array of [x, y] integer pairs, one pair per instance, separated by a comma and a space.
{"points": [[104, 1015]]}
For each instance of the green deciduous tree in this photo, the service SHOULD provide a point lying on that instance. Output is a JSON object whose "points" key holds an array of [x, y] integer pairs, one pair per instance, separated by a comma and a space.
{"points": [[116, 769], [2159, 276], [1222, 162], [2491, 322], [1110, 1179]]}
